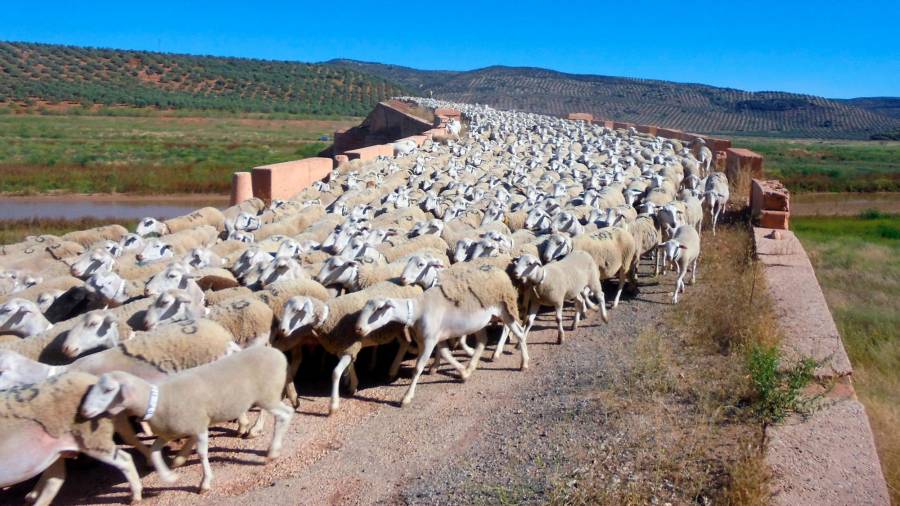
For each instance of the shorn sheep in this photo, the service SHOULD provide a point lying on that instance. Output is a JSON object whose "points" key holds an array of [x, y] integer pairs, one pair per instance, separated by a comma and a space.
{"points": [[464, 304], [40, 426], [22, 318], [186, 403], [683, 251], [715, 196], [574, 278]]}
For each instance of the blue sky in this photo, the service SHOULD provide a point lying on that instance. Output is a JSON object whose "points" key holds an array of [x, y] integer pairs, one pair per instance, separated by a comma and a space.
{"points": [[836, 49]]}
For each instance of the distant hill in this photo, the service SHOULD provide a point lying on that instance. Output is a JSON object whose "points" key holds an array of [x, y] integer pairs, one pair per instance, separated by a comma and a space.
{"points": [[692, 107], [55, 73], [888, 106]]}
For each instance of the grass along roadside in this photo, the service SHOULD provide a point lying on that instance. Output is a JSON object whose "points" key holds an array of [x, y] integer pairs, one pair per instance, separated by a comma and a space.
{"points": [[12, 231], [829, 166], [698, 393], [147, 155], [857, 263]]}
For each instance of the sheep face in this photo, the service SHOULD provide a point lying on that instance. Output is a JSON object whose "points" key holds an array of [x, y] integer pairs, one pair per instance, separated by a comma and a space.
{"points": [[430, 227], [106, 284], [154, 251], [46, 299], [288, 248], [151, 226], [527, 269], [246, 222], [199, 258], [173, 306], [338, 238], [131, 242], [555, 247], [242, 236], [249, 260], [421, 270], [281, 269], [91, 262], [175, 276], [23, 318], [338, 271], [538, 220], [114, 248], [95, 330], [108, 395], [376, 314], [462, 250], [299, 314]]}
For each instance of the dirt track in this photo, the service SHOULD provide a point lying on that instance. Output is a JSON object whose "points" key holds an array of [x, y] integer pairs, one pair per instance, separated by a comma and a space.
{"points": [[503, 432]]}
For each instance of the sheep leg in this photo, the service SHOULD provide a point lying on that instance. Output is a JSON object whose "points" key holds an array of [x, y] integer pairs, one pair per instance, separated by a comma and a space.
{"points": [[622, 274], [425, 351], [398, 359], [293, 367], [258, 426], [560, 333], [510, 322], [203, 452], [579, 312], [122, 461], [145, 428], [586, 298], [435, 364], [283, 415], [479, 349], [444, 352], [603, 313], [465, 346], [165, 474], [533, 307], [184, 452], [49, 484], [679, 284], [354, 379], [336, 381], [124, 429]]}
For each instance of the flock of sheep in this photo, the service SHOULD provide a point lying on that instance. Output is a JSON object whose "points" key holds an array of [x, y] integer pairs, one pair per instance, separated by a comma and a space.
{"points": [[197, 320]]}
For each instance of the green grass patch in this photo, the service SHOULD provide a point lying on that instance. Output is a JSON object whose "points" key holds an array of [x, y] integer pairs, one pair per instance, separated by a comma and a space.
{"points": [[830, 166], [857, 262], [146, 154], [12, 231], [777, 389]]}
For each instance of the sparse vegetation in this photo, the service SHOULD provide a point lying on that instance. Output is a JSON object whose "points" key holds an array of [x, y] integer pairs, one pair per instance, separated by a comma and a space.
{"points": [[149, 155], [12, 231], [777, 389], [857, 262], [689, 401], [830, 166]]}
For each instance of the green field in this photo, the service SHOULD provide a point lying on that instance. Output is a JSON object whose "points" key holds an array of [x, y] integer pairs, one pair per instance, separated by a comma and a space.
{"points": [[857, 262], [829, 166], [147, 154]]}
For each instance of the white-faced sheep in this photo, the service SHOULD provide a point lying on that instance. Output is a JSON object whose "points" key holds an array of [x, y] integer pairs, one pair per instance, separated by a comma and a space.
{"points": [[613, 251], [187, 403], [683, 251], [205, 216], [573, 279], [334, 325], [23, 318], [176, 244], [248, 319], [464, 303], [95, 235], [281, 269], [40, 425]]}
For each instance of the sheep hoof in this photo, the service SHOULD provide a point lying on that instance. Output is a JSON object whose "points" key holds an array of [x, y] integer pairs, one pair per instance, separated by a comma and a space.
{"points": [[204, 488], [253, 434], [168, 478], [524, 366], [559, 339], [405, 402], [273, 456], [31, 496], [178, 461], [333, 409]]}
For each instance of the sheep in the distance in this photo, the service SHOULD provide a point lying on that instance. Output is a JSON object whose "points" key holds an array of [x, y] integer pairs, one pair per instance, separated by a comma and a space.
{"points": [[205, 216], [188, 402]]}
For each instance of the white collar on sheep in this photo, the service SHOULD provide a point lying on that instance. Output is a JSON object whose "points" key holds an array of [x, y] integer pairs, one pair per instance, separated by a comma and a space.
{"points": [[152, 403]]}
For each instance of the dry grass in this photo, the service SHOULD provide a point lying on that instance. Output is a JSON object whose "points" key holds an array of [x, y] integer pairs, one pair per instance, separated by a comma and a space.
{"points": [[683, 410], [12, 231]]}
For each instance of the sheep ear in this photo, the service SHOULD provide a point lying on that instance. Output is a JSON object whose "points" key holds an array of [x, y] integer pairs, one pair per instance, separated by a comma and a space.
{"points": [[183, 298]]}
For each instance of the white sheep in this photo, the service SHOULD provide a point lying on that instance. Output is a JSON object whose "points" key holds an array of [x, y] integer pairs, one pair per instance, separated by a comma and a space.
{"points": [[248, 319], [95, 235], [40, 426], [205, 216], [715, 196], [23, 318], [613, 250], [114, 291], [574, 278], [333, 323], [188, 402], [281, 269], [683, 251], [465, 302], [176, 244]]}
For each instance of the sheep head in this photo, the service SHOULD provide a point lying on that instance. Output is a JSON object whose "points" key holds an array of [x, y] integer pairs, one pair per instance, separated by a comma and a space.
{"points": [[23, 318], [171, 306], [95, 330], [421, 270]]}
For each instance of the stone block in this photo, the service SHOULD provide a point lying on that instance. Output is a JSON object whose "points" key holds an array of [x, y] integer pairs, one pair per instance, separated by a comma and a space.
{"points": [[774, 219], [341, 160], [647, 129], [370, 152], [743, 162], [670, 133], [608, 123], [241, 187], [580, 116], [768, 195], [283, 180]]}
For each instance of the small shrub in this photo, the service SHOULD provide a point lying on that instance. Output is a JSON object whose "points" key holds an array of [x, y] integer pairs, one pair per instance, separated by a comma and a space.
{"points": [[777, 390], [871, 214]]}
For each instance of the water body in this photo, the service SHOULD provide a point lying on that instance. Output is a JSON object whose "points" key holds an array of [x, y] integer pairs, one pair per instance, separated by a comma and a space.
{"points": [[104, 207]]}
